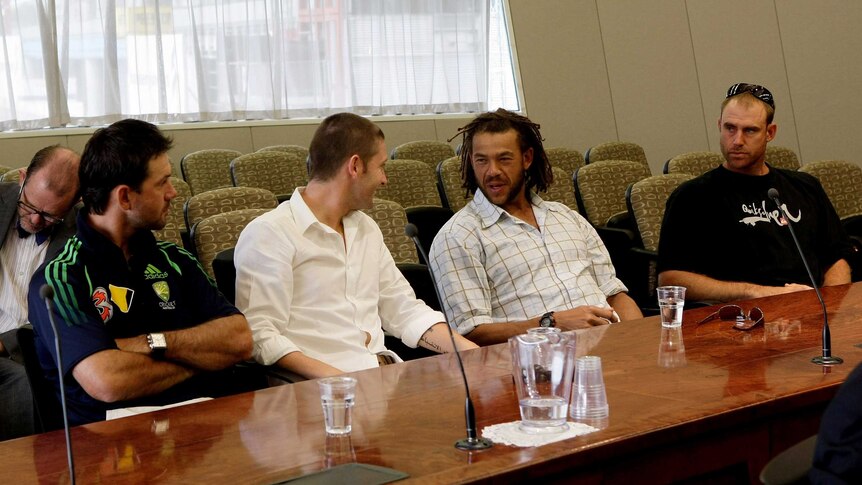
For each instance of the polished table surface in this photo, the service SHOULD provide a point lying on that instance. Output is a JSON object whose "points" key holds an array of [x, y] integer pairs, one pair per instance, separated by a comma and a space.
{"points": [[723, 407]]}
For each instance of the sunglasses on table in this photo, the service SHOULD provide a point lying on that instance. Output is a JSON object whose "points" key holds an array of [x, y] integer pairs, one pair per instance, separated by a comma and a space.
{"points": [[734, 313], [755, 90]]}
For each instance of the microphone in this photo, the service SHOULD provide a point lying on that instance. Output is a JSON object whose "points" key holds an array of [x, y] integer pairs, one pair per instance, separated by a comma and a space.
{"points": [[826, 357], [472, 443], [47, 294]]}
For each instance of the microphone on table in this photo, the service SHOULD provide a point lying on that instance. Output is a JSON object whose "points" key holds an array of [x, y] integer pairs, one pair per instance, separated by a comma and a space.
{"points": [[47, 294], [826, 357], [472, 442]]}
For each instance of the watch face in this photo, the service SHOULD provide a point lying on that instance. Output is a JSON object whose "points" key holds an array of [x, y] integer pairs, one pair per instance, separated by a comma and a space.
{"points": [[545, 321], [158, 341]]}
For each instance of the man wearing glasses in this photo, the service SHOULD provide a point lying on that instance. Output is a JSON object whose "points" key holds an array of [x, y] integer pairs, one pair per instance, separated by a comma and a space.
{"points": [[724, 239], [39, 217]]}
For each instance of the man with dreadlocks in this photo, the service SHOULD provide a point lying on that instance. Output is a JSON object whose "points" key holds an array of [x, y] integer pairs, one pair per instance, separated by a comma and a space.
{"points": [[509, 260]]}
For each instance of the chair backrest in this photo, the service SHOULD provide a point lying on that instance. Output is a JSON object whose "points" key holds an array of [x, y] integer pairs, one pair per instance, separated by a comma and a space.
{"points": [[176, 224], [562, 190], [693, 163], [226, 199], [617, 150], [449, 184], [842, 181], [224, 271], [11, 175], [428, 151], [391, 219], [411, 183], [219, 232], [782, 157], [646, 200], [277, 172], [601, 188], [207, 169], [49, 413], [296, 151], [567, 159]]}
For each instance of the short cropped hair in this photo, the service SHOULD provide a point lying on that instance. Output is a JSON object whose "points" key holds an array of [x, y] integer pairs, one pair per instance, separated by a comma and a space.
{"points": [[339, 137], [748, 99], [119, 154], [538, 176]]}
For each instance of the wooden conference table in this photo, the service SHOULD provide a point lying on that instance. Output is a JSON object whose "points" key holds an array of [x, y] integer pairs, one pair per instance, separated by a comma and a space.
{"points": [[720, 411]]}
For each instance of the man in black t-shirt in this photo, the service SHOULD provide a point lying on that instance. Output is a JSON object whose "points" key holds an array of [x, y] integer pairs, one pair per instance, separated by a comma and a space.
{"points": [[140, 322], [724, 239]]}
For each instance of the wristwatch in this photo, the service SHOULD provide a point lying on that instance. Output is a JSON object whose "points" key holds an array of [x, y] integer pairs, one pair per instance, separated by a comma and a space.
{"points": [[158, 344], [547, 320]]}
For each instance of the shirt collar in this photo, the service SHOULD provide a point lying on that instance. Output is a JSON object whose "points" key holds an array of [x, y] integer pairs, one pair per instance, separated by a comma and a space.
{"points": [[305, 218], [99, 244], [490, 213]]}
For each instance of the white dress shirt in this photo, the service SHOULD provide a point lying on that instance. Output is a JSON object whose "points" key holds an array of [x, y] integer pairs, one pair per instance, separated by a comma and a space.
{"points": [[492, 267], [19, 258], [304, 288]]}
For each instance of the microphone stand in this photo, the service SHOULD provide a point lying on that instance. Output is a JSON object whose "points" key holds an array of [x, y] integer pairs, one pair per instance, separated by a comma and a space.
{"points": [[472, 442], [47, 294], [825, 358]]}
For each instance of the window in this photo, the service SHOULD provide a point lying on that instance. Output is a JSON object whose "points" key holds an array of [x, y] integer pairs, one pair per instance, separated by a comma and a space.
{"points": [[92, 62]]}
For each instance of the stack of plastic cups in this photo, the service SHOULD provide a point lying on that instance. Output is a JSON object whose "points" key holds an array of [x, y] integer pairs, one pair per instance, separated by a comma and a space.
{"points": [[589, 399]]}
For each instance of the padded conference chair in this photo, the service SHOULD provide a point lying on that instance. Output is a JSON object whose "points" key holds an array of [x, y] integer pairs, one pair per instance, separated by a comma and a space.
{"points": [[600, 188], [429, 151], [219, 232], [566, 159], [449, 184], [298, 152], [10, 175], [782, 157], [391, 219], [842, 181], [645, 200], [49, 413], [207, 169], [226, 199], [175, 230], [562, 190], [411, 183], [693, 163], [617, 150], [277, 172], [791, 466]]}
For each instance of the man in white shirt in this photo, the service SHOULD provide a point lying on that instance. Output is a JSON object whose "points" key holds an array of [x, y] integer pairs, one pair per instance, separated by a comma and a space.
{"points": [[38, 216], [314, 278], [509, 260]]}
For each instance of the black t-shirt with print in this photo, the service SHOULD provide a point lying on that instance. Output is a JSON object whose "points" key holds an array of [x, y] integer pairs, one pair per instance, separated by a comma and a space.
{"points": [[723, 225]]}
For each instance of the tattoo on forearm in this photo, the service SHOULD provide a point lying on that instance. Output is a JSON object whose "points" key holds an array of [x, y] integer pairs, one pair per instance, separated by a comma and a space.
{"points": [[430, 345]]}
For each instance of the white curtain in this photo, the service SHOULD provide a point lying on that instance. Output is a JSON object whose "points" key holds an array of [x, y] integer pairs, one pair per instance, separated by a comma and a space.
{"points": [[91, 62]]}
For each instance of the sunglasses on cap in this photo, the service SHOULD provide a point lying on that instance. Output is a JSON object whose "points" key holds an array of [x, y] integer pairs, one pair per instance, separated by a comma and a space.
{"points": [[735, 313], [755, 90]]}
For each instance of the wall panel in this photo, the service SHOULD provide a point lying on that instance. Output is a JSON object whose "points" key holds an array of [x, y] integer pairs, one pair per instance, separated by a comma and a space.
{"points": [[651, 70], [746, 48]]}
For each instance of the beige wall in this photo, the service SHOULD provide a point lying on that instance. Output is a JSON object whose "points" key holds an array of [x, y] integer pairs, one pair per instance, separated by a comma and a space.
{"points": [[649, 72], [656, 72]]}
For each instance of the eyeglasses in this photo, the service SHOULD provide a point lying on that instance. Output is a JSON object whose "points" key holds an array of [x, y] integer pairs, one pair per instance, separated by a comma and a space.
{"points": [[733, 312], [755, 90], [30, 209]]}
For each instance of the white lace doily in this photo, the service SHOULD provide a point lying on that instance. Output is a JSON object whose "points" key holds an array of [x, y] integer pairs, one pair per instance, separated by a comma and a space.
{"points": [[512, 435]]}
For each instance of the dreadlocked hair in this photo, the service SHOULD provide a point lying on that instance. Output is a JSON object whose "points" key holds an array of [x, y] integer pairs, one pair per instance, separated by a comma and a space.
{"points": [[539, 175]]}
